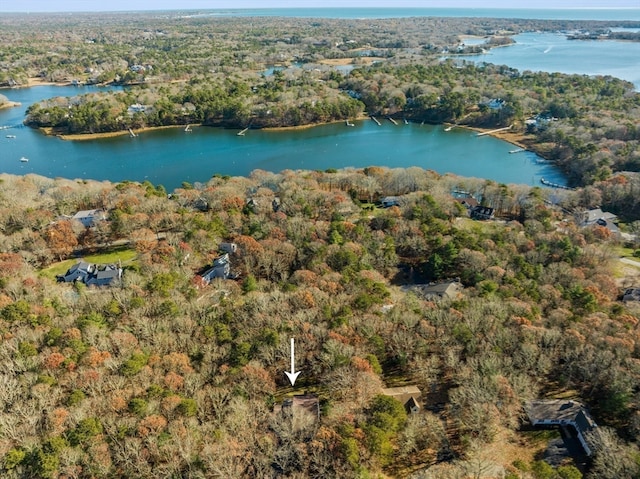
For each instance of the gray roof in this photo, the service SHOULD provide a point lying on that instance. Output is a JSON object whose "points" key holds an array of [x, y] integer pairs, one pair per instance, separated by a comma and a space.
{"points": [[449, 289], [593, 215], [553, 409]]}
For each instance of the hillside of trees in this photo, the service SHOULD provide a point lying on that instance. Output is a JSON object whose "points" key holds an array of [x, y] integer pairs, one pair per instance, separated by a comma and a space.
{"points": [[163, 376]]}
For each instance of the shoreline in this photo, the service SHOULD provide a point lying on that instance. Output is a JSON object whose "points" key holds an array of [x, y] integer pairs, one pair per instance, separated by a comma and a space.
{"points": [[107, 134], [516, 138], [10, 104]]}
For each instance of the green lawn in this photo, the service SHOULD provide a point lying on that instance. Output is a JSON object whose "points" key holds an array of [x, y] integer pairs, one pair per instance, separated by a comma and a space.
{"points": [[122, 254]]}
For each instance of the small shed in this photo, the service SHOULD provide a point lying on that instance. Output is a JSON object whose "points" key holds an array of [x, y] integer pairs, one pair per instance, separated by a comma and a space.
{"points": [[230, 248]]}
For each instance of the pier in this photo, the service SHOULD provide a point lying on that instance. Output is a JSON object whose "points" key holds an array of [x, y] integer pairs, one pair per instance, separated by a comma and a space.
{"points": [[131, 133], [554, 185], [483, 133], [518, 150], [188, 128], [241, 133], [392, 120], [374, 119]]}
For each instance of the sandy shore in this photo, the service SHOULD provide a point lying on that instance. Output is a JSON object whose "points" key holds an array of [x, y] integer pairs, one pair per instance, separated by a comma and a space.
{"points": [[40, 82], [108, 134], [311, 125], [10, 104], [357, 61]]}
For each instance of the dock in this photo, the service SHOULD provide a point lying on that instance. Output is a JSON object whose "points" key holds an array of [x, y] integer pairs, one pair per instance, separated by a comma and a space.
{"points": [[483, 133], [392, 120], [406, 122], [554, 185], [376, 120], [132, 133], [350, 124], [518, 150], [187, 128], [241, 133]]}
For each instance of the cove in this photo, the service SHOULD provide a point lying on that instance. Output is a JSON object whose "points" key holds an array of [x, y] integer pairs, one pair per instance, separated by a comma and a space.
{"points": [[553, 52], [172, 156]]}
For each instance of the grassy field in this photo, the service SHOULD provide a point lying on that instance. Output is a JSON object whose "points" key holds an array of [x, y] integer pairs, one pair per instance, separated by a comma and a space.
{"points": [[123, 254]]}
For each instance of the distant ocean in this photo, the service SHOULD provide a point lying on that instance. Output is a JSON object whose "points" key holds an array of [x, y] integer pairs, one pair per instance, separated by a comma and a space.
{"points": [[632, 14]]}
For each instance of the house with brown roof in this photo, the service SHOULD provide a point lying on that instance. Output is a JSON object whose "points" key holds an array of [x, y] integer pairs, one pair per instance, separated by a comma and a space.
{"points": [[407, 396], [308, 403]]}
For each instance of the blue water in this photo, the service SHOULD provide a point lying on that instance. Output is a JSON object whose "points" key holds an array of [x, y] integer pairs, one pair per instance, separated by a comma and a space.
{"points": [[530, 13], [171, 156], [552, 52]]}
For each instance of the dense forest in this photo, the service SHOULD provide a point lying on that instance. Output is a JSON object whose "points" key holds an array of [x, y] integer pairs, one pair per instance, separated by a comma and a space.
{"points": [[170, 373], [164, 376]]}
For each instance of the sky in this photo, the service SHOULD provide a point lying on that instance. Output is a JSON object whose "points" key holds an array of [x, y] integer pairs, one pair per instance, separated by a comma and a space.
{"points": [[124, 5]]}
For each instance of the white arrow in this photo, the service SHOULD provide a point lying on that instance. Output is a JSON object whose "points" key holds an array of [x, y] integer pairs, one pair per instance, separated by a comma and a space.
{"points": [[292, 375]]}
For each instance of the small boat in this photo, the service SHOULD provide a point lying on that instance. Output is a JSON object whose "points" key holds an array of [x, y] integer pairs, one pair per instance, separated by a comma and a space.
{"points": [[11, 136], [24, 160], [519, 150]]}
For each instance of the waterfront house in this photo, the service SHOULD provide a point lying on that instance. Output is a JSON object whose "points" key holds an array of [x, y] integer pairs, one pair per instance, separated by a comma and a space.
{"points": [[136, 108], [564, 413], [407, 396], [89, 218], [496, 104]]}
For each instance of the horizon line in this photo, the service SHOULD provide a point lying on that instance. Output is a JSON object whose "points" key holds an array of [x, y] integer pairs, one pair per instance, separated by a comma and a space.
{"points": [[321, 8]]}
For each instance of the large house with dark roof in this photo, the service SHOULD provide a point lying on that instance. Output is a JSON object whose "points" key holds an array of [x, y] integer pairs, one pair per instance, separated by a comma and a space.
{"points": [[91, 274], [561, 412]]}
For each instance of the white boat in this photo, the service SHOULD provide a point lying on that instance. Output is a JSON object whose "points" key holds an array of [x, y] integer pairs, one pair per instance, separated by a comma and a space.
{"points": [[11, 136], [24, 160]]}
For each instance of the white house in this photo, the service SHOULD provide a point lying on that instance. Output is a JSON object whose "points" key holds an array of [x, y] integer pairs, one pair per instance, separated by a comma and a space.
{"points": [[89, 218]]}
